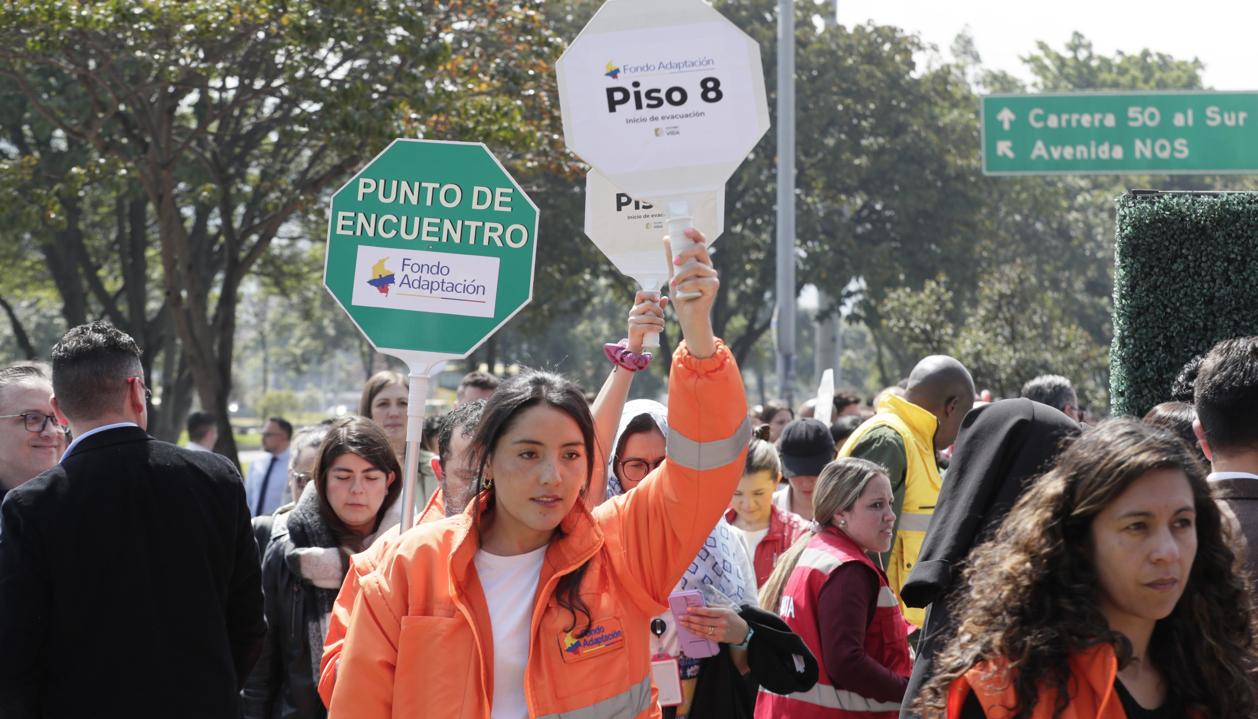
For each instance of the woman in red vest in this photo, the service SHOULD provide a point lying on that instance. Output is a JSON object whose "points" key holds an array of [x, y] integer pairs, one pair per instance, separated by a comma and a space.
{"points": [[1108, 592], [829, 592]]}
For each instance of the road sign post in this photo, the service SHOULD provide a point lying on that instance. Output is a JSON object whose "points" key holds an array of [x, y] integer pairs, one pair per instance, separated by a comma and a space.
{"points": [[1114, 132], [665, 98], [430, 250]]}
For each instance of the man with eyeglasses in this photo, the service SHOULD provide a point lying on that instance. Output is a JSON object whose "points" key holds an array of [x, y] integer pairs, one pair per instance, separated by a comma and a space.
{"points": [[31, 439], [129, 576]]}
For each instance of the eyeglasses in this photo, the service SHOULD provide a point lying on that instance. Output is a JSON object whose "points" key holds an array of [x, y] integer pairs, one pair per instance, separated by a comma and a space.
{"points": [[148, 394], [303, 478], [635, 470], [36, 421]]}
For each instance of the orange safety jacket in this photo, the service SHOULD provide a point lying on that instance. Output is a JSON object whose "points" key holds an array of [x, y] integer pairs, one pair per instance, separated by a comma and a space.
{"points": [[420, 642], [360, 565], [1093, 671]]}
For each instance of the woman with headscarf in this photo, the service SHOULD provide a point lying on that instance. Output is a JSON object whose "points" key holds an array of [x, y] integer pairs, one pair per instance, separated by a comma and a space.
{"points": [[722, 564], [1000, 447], [637, 448]]}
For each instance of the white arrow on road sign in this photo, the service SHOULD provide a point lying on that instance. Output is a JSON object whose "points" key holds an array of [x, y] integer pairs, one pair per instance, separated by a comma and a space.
{"points": [[1006, 117], [1004, 148]]}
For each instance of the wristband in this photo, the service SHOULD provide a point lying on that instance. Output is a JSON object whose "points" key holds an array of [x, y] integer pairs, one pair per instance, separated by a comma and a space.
{"points": [[750, 631], [618, 353]]}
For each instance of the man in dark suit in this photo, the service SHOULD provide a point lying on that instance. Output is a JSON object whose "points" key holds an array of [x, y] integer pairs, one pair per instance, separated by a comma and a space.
{"points": [[129, 579], [1227, 428]]}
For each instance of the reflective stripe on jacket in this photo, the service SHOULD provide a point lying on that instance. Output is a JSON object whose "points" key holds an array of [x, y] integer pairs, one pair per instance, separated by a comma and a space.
{"points": [[922, 482], [886, 638], [360, 565], [419, 640], [1092, 670], [784, 528]]}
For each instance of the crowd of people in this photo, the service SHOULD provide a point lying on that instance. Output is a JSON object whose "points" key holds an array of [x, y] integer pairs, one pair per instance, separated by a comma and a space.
{"points": [[931, 552]]}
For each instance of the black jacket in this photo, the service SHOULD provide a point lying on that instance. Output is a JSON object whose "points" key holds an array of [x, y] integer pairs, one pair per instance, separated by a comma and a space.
{"points": [[777, 657], [1000, 447], [284, 683], [129, 585]]}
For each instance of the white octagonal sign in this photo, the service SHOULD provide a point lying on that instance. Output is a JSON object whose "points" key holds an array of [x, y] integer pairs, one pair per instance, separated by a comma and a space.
{"points": [[664, 97], [629, 231]]}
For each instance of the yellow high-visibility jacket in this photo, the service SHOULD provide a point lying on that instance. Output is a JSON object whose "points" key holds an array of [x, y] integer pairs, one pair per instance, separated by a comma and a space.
{"points": [[922, 481]]}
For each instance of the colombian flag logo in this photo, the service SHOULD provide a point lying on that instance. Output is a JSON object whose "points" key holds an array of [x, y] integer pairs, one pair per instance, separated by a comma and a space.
{"points": [[381, 277], [612, 71]]}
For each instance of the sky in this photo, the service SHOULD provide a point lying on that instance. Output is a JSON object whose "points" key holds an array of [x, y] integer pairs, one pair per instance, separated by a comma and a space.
{"points": [[1220, 33]]}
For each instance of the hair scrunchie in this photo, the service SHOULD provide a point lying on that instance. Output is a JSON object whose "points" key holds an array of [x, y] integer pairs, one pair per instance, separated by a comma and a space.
{"points": [[618, 353]]}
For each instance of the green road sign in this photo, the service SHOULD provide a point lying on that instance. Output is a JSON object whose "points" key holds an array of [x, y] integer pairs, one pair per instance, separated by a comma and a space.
{"points": [[1117, 132], [431, 248]]}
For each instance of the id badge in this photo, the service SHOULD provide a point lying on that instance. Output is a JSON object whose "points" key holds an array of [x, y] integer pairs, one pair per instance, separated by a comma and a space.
{"points": [[667, 677]]}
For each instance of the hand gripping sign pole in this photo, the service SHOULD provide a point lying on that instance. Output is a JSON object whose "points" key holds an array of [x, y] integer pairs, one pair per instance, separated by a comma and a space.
{"points": [[628, 231], [665, 98], [430, 251]]}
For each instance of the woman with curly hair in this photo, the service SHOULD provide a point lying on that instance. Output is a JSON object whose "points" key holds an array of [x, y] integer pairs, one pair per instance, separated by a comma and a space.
{"points": [[1109, 591]]}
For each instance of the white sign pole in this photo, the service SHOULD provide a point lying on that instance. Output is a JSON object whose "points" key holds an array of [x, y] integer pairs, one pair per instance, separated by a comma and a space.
{"points": [[423, 366], [825, 397], [679, 220], [414, 437]]}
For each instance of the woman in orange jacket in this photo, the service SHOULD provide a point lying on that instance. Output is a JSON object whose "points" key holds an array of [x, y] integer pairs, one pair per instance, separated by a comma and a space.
{"points": [[1109, 591], [531, 604]]}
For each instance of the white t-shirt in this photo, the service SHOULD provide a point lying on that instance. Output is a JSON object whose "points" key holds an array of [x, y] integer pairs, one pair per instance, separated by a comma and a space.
{"points": [[750, 540], [510, 585]]}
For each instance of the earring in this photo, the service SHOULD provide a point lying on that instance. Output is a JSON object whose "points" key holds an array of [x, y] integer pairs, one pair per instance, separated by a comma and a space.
{"points": [[842, 522], [487, 484]]}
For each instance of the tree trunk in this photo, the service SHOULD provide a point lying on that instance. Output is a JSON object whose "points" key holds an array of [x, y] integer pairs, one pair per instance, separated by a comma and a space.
{"points": [[19, 332], [65, 276], [491, 353], [757, 368]]}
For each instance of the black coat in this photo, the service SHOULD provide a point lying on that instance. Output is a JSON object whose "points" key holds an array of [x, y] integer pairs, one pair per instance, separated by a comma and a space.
{"points": [[129, 585], [999, 448], [284, 683]]}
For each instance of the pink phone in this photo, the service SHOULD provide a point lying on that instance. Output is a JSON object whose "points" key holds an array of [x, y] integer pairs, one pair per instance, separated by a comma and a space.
{"points": [[692, 645]]}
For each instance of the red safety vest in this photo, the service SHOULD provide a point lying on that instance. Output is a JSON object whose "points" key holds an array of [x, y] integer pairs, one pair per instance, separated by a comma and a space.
{"points": [[886, 639]]}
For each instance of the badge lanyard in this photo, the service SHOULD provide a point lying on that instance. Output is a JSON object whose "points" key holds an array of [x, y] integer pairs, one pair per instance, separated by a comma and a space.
{"points": [[665, 671]]}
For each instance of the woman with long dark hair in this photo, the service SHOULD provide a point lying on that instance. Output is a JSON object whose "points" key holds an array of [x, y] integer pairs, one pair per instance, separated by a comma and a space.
{"points": [[1110, 590], [531, 603], [1001, 448], [351, 499]]}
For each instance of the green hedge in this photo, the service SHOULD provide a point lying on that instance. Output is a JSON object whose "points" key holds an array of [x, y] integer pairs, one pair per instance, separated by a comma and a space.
{"points": [[1186, 276]]}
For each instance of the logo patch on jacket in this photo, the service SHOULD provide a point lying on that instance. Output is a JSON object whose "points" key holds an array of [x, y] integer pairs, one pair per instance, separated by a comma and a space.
{"points": [[604, 635]]}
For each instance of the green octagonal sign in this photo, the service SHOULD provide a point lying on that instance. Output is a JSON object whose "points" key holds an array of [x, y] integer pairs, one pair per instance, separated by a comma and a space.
{"points": [[431, 249]]}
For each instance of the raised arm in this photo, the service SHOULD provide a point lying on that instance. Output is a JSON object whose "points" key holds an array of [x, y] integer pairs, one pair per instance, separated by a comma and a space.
{"points": [[658, 528], [646, 316]]}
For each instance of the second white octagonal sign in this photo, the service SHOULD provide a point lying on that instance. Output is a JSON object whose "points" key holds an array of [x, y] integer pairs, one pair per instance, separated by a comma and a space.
{"points": [[664, 97]]}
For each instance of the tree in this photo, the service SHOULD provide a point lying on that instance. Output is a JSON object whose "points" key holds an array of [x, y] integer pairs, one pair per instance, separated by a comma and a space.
{"points": [[232, 118]]}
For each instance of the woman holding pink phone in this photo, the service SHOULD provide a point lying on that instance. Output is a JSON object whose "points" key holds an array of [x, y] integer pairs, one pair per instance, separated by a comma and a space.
{"points": [[637, 434]]}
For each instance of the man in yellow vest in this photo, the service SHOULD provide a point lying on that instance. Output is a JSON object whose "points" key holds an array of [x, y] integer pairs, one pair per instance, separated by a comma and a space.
{"points": [[904, 437]]}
